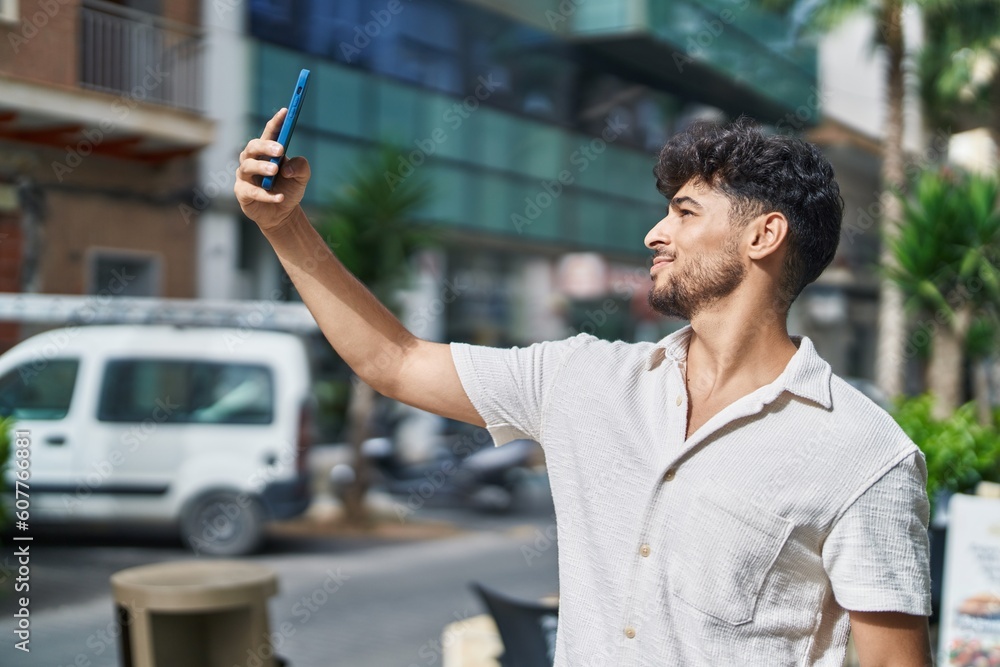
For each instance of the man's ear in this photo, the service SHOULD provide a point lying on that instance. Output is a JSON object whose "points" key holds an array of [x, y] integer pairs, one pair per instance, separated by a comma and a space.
{"points": [[766, 233]]}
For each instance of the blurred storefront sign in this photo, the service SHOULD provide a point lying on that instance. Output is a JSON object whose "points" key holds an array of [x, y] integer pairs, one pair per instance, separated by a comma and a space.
{"points": [[970, 606], [583, 275]]}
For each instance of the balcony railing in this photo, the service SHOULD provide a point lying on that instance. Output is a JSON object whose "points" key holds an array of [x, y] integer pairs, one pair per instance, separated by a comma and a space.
{"points": [[140, 56]]}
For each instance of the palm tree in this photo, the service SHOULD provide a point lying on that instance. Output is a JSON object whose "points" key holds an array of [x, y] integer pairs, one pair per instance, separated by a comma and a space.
{"points": [[947, 264], [824, 15], [981, 347], [369, 226], [960, 67]]}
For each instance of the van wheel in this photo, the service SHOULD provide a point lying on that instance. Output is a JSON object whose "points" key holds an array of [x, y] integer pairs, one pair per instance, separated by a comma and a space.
{"points": [[221, 524]]}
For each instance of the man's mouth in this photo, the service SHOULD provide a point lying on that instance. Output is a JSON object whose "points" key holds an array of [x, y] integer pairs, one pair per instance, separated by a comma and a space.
{"points": [[660, 262]]}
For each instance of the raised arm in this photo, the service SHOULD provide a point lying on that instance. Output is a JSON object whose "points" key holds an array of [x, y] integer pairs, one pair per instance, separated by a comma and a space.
{"points": [[364, 333]]}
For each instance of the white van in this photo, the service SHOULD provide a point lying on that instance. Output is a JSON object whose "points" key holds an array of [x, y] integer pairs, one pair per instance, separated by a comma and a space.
{"points": [[205, 428]]}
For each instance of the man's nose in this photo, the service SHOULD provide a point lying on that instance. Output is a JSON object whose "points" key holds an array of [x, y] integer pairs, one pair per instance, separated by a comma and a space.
{"points": [[657, 236]]}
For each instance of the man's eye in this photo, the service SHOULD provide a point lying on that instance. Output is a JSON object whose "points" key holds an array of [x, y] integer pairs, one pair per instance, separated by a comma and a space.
{"points": [[686, 212]]}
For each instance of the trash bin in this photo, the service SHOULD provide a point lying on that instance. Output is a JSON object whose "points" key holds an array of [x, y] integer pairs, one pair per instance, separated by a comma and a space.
{"points": [[195, 613]]}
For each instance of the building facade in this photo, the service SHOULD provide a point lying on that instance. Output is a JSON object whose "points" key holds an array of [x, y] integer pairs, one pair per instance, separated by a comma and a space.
{"points": [[534, 124], [100, 125]]}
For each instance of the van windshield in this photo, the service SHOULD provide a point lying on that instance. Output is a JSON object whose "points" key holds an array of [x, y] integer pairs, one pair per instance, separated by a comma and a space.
{"points": [[178, 391]]}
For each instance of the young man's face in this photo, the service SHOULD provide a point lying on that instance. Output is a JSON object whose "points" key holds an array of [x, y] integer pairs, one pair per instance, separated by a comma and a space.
{"points": [[697, 258]]}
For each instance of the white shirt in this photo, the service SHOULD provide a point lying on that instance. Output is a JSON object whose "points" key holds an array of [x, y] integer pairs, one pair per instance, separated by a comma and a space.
{"points": [[744, 544]]}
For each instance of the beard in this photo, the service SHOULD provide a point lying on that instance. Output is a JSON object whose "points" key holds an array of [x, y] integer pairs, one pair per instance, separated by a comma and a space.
{"points": [[706, 279]]}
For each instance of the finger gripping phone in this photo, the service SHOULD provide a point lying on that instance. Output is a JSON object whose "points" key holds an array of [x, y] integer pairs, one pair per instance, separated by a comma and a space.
{"points": [[287, 127]]}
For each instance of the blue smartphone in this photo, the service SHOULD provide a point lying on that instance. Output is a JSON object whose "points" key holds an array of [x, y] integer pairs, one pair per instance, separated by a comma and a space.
{"points": [[298, 95]]}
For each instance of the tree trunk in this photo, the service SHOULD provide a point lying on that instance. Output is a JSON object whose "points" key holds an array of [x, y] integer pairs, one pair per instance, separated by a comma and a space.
{"points": [[946, 366], [359, 414], [945, 372], [995, 106], [981, 390], [890, 362]]}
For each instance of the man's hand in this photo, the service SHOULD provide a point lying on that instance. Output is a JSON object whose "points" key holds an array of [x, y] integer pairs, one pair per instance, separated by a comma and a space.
{"points": [[270, 209], [891, 639]]}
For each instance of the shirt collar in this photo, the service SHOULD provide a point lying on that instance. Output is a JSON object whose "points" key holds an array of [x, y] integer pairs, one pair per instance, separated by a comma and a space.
{"points": [[807, 374]]}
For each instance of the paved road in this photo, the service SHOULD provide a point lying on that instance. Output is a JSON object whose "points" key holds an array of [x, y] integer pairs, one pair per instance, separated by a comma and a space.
{"points": [[389, 604]]}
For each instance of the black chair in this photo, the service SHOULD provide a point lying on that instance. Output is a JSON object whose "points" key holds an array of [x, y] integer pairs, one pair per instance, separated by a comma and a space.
{"points": [[527, 629]]}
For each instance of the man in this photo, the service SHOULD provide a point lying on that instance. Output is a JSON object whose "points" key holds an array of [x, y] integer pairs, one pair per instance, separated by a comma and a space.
{"points": [[721, 497]]}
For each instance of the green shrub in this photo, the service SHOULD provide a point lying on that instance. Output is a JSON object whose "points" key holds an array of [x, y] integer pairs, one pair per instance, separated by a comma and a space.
{"points": [[960, 452], [6, 428]]}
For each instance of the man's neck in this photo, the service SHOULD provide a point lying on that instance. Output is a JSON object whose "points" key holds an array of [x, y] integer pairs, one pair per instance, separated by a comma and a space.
{"points": [[735, 353]]}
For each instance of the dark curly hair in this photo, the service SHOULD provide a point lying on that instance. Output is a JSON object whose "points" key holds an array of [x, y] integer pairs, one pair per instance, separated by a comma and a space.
{"points": [[760, 173]]}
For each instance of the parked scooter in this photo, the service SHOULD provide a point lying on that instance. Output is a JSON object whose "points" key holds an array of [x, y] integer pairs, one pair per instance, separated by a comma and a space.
{"points": [[485, 479]]}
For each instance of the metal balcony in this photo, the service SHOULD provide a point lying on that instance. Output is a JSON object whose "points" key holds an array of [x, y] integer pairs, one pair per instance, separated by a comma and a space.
{"points": [[140, 56]]}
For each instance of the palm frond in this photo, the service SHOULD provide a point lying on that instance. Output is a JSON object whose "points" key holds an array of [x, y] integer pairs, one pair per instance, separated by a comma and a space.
{"points": [[948, 242], [372, 223]]}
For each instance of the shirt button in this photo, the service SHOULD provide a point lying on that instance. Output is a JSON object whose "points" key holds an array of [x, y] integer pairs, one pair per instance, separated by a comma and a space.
{"points": [[680, 399], [669, 475], [630, 633], [644, 551]]}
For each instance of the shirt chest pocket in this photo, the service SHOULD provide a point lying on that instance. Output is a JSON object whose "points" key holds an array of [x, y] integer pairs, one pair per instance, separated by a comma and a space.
{"points": [[722, 555]]}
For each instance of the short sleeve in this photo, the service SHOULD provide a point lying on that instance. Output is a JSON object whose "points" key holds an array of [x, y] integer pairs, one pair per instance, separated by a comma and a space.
{"points": [[876, 556], [509, 386]]}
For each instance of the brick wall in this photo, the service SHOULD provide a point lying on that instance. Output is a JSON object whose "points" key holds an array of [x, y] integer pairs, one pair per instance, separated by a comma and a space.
{"points": [[189, 11], [79, 223], [44, 46], [110, 203], [10, 272]]}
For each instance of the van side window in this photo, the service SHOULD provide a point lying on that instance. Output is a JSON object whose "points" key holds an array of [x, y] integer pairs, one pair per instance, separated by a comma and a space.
{"points": [[185, 392], [41, 389]]}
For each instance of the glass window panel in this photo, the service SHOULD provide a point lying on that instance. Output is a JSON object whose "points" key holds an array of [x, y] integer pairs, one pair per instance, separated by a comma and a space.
{"points": [[39, 390], [124, 275], [398, 108], [169, 391], [449, 187], [496, 132]]}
